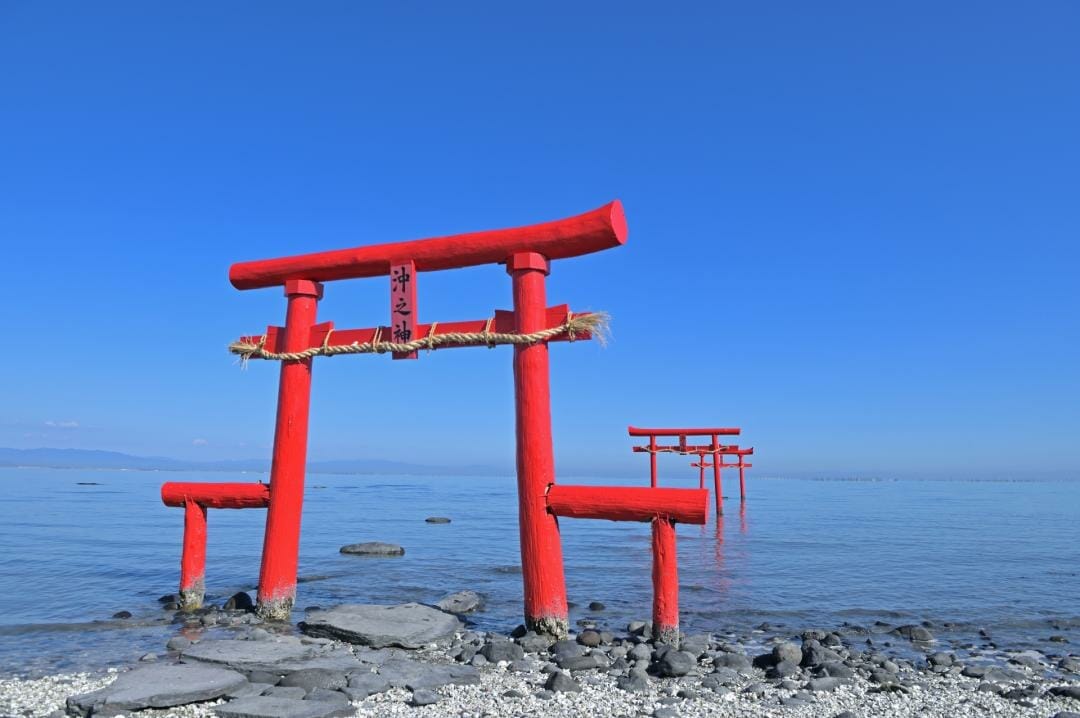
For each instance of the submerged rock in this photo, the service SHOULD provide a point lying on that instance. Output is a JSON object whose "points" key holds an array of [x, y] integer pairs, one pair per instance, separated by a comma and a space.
{"points": [[461, 602], [373, 548], [914, 633], [437, 520], [240, 602], [410, 625]]}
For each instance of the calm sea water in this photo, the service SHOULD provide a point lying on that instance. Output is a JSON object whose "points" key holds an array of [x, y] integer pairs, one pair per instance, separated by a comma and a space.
{"points": [[1000, 555]]}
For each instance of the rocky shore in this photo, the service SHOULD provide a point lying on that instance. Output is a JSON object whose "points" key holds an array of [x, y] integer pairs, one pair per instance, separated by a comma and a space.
{"points": [[417, 660]]}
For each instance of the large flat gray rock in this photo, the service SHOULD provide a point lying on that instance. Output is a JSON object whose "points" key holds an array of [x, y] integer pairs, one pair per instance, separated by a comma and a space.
{"points": [[269, 707], [248, 655], [414, 675], [158, 686], [410, 625]]}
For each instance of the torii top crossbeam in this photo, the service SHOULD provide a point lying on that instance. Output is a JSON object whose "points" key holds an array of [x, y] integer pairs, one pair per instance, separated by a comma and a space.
{"points": [[600, 229]]}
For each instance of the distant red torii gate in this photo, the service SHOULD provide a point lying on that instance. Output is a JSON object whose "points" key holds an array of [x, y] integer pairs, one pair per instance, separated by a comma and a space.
{"points": [[684, 448], [526, 252], [725, 451]]}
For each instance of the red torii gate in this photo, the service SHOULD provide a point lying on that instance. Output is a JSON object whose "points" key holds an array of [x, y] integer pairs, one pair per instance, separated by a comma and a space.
{"points": [[526, 252], [685, 449], [725, 451]]}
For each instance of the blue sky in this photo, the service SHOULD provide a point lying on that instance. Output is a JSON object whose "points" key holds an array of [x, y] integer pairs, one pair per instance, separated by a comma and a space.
{"points": [[853, 225]]}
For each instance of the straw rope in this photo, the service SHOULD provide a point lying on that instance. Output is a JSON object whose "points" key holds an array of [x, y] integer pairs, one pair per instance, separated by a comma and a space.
{"points": [[595, 322]]}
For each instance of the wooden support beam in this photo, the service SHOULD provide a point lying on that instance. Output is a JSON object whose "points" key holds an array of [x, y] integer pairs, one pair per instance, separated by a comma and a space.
{"points": [[628, 503], [216, 496], [195, 498]]}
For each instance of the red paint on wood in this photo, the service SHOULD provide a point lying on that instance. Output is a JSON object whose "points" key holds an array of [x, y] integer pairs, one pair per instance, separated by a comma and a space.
{"points": [[652, 461], [503, 323], [593, 231], [281, 545], [637, 431], [628, 503], [216, 496], [403, 306], [665, 576], [718, 479], [541, 547], [687, 449], [193, 556]]}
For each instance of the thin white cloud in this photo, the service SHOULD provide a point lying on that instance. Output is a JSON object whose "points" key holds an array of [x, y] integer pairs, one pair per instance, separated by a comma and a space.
{"points": [[199, 442], [62, 424]]}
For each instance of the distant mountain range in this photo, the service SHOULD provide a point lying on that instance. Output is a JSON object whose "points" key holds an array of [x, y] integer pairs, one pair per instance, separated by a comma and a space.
{"points": [[93, 459]]}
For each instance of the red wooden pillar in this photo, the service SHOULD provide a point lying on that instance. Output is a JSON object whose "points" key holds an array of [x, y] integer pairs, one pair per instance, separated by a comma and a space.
{"points": [[193, 557], [652, 461], [281, 545], [701, 471], [742, 479], [541, 549], [718, 481], [665, 576]]}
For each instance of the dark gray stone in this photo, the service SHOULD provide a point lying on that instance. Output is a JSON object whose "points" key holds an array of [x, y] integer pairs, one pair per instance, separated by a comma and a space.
{"points": [[240, 602], [534, 642], [247, 690], [369, 683], [735, 661], [567, 648], [324, 694], [676, 663], [596, 606], [1066, 691], [247, 655], [783, 669], [814, 654], [373, 548], [590, 638], [411, 625], [828, 683], [560, 682], [787, 652], [695, 645], [835, 669], [883, 678], [590, 662], [502, 650], [634, 682], [914, 633], [270, 707], [437, 520], [158, 686], [665, 712], [293, 692], [941, 658], [406, 673], [178, 643], [122, 614], [424, 697], [461, 602], [311, 678]]}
